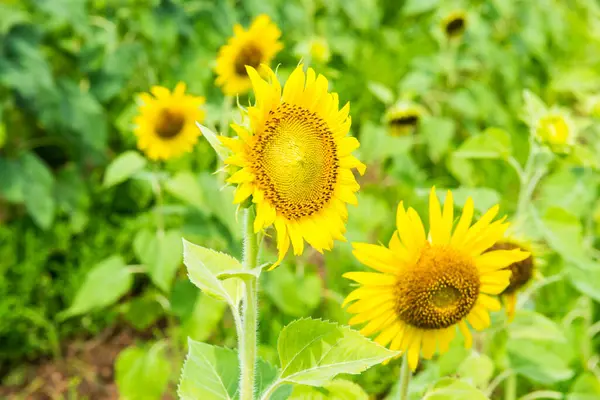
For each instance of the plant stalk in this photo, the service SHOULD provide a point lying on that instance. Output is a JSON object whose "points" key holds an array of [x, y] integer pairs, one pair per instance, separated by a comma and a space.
{"points": [[510, 387], [248, 337], [404, 378]]}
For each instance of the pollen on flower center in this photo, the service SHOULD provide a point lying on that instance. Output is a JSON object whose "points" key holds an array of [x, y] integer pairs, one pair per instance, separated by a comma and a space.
{"points": [[250, 55], [295, 161], [169, 124], [439, 290]]}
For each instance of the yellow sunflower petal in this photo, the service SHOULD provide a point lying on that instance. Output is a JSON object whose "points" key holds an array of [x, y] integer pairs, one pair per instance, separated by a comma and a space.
{"points": [[466, 334], [371, 278], [413, 352], [376, 257]]}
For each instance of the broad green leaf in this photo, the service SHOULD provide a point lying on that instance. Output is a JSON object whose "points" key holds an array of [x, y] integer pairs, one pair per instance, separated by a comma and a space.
{"points": [[533, 108], [12, 182], [161, 254], [312, 352], [185, 187], [209, 373], [143, 373], [338, 389], [143, 311], [537, 362], [38, 190], [438, 133], [414, 7], [204, 265], [204, 319], [454, 389], [492, 143], [585, 387], [563, 232], [244, 275], [477, 369], [376, 144], [219, 201], [585, 276], [531, 325], [382, 92], [123, 167], [104, 284], [294, 295]]}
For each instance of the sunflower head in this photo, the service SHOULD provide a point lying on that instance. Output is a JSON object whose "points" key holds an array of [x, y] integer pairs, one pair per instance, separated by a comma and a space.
{"points": [[166, 123], [521, 273], [454, 24], [427, 285], [403, 118], [253, 47], [294, 159]]}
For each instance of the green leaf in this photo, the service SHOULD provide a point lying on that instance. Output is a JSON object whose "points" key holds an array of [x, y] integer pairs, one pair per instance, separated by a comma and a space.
{"points": [[454, 389], [104, 284], [244, 275], [214, 141], [209, 373], [414, 7], [312, 352], [376, 144], [220, 202], [382, 92], [294, 295], [338, 389], [477, 370], [161, 254], [123, 167], [12, 182], [185, 187], [492, 143], [563, 232], [143, 373], [531, 325], [143, 311], [585, 276], [438, 133], [537, 363], [204, 319], [38, 190], [204, 265]]}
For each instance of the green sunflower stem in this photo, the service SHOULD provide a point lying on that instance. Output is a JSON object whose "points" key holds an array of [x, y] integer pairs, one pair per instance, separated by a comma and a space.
{"points": [[404, 378], [510, 390], [248, 336]]}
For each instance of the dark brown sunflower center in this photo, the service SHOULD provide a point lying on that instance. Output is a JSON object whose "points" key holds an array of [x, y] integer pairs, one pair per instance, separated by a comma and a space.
{"points": [[249, 55], [455, 27], [522, 271], [295, 161], [169, 124], [439, 290], [405, 121]]}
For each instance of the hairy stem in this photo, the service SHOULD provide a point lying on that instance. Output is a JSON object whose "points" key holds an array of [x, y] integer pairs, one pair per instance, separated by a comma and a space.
{"points": [[404, 378], [248, 338]]}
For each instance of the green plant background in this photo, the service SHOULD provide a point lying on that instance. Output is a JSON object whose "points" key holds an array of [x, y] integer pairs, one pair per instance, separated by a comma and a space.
{"points": [[78, 249]]}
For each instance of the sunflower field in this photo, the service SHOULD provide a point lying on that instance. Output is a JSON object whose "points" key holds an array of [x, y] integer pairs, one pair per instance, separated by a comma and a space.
{"points": [[300, 199]]}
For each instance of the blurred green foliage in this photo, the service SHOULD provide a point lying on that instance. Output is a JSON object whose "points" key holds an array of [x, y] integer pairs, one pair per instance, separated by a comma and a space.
{"points": [[79, 249]]}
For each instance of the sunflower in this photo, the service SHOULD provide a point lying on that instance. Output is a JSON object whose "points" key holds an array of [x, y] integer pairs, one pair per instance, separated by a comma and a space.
{"points": [[522, 272], [454, 24], [296, 160], [403, 118], [253, 47], [427, 285], [166, 123], [555, 129]]}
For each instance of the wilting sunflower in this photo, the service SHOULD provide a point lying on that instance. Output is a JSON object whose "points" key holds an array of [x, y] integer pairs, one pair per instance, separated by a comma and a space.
{"points": [[296, 160], [166, 123], [427, 285], [403, 118], [522, 272], [454, 24], [253, 47]]}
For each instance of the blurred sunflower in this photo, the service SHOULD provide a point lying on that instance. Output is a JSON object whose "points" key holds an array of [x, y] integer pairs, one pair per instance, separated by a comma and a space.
{"points": [[315, 48], [426, 286], [454, 24], [402, 118], [296, 160], [522, 272], [253, 47], [555, 128], [166, 123]]}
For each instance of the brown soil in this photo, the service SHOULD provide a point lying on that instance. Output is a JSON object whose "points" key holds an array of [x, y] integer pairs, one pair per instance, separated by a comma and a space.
{"points": [[87, 370]]}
